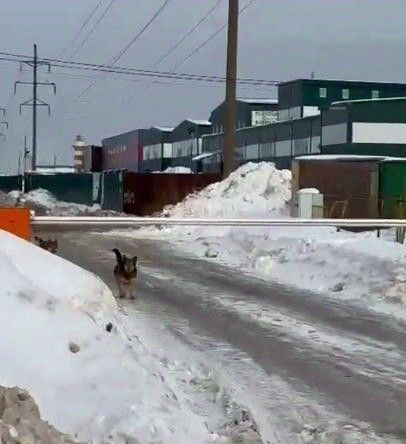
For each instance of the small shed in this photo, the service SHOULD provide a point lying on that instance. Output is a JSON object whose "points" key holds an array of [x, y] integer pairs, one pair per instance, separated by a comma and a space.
{"points": [[350, 184]]}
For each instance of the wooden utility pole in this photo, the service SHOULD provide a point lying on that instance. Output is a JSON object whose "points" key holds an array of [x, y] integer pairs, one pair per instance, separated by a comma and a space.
{"points": [[230, 139]]}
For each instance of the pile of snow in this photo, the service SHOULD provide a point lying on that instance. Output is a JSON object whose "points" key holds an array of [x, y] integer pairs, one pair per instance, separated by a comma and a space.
{"points": [[254, 190], [89, 382], [176, 170], [45, 204], [359, 266]]}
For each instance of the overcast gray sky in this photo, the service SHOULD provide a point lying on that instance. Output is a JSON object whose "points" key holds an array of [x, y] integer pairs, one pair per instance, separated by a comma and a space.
{"points": [[279, 40]]}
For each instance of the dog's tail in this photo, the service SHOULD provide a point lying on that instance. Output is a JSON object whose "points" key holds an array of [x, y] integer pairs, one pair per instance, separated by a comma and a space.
{"points": [[119, 257]]}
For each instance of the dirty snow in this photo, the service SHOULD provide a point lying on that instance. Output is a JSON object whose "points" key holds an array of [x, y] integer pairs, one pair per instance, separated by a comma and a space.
{"points": [[20, 420], [359, 266]]}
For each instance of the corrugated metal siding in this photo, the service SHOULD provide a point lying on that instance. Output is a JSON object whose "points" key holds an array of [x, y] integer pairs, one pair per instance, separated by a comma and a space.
{"points": [[392, 187], [391, 111], [92, 158], [145, 194], [366, 149], [10, 183], [68, 187], [340, 181], [112, 191], [123, 151]]}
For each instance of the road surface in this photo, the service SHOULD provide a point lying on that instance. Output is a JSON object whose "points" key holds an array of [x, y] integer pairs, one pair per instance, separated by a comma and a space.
{"points": [[297, 358]]}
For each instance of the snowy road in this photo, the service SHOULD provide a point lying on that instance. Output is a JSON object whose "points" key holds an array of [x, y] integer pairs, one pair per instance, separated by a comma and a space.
{"points": [[306, 367]]}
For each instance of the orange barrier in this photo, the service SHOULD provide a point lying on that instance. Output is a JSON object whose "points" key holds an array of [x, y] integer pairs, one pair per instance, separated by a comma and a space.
{"points": [[16, 221]]}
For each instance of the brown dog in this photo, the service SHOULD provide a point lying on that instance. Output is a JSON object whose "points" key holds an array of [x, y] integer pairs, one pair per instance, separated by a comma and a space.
{"points": [[125, 273]]}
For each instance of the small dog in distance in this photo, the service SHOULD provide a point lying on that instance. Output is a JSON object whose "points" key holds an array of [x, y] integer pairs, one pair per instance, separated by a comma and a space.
{"points": [[50, 245], [125, 273]]}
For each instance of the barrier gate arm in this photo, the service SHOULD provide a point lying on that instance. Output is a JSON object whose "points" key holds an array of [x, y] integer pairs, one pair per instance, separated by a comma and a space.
{"points": [[114, 222], [22, 222]]}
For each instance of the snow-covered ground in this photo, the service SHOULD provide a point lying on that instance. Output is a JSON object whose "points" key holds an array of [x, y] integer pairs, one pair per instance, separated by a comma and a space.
{"points": [[107, 385], [359, 266], [95, 381]]}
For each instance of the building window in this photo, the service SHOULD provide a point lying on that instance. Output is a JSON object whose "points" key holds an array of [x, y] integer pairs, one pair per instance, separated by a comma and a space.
{"points": [[323, 93], [345, 94], [375, 94]]}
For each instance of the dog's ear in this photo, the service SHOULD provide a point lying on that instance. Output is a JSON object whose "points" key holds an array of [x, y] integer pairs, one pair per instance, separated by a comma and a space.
{"points": [[135, 259]]}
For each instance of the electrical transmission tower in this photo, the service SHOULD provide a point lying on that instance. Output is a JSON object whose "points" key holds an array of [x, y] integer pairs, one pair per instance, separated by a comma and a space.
{"points": [[34, 102]]}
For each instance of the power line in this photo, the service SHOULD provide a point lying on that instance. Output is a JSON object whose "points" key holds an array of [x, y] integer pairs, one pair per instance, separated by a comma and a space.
{"points": [[185, 36], [86, 38], [190, 55], [133, 71], [83, 26], [131, 42], [138, 35]]}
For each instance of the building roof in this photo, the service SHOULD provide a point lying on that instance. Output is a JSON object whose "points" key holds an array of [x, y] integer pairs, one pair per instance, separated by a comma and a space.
{"points": [[164, 129], [199, 122], [380, 99], [349, 157], [260, 101], [349, 82]]}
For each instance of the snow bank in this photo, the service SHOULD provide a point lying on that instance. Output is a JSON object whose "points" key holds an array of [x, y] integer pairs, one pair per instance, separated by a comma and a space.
{"points": [[87, 381], [342, 264], [254, 190], [44, 203]]}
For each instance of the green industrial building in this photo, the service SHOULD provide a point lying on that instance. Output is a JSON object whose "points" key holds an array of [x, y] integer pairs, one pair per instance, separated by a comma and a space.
{"points": [[374, 127]]}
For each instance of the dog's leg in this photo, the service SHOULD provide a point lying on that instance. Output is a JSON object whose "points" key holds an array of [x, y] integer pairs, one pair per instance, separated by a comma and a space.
{"points": [[130, 290], [121, 290]]}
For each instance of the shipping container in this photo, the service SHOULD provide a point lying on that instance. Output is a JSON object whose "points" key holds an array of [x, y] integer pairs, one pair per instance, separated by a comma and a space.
{"points": [[393, 188], [123, 151], [145, 194], [92, 159], [68, 187], [350, 184], [111, 190], [10, 183]]}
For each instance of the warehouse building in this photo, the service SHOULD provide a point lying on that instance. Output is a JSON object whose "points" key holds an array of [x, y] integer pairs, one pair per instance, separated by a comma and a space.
{"points": [[157, 149], [250, 112], [278, 143], [365, 127], [305, 105], [303, 97], [311, 116], [187, 141]]}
